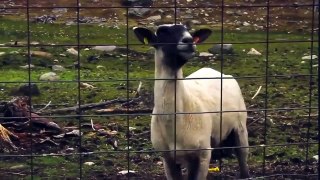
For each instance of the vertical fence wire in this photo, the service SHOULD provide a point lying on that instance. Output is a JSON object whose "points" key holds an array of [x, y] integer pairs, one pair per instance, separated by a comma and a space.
{"points": [[318, 82], [29, 87], [175, 93], [266, 89], [127, 92], [79, 112], [221, 77], [311, 84]]}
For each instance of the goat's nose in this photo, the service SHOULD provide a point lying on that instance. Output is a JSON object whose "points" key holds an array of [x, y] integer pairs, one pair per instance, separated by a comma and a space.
{"points": [[187, 40]]}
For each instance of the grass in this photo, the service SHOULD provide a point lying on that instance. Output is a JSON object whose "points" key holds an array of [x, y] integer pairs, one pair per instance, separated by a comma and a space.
{"points": [[284, 58]]}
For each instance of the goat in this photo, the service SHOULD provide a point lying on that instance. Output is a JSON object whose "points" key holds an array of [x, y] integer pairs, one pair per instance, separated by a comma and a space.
{"points": [[175, 97]]}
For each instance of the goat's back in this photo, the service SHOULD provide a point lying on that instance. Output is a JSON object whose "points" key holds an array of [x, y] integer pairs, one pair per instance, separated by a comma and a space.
{"points": [[232, 100]]}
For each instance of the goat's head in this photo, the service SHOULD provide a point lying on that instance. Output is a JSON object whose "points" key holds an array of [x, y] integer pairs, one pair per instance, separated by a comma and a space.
{"points": [[175, 43]]}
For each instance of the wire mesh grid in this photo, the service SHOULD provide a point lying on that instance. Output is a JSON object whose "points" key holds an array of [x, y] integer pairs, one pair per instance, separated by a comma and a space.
{"points": [[283, 119]]}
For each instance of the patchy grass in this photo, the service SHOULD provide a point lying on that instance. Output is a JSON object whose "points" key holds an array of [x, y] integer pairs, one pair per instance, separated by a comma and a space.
{"points": [[290, 90]]}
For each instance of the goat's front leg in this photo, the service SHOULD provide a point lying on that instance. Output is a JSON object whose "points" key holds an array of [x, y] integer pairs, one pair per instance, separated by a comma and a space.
{"points": [[172, 169], [198, 166]]}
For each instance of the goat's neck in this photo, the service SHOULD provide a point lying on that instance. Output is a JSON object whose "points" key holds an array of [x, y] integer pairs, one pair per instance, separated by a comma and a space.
{"points": [[166, 90]]}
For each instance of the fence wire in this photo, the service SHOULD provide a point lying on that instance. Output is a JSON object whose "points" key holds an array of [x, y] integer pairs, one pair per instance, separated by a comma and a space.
{"points": [[264, 110]]}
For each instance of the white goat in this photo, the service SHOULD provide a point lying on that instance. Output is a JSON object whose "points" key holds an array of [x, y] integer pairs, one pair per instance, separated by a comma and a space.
{"points": [[174, 46]]}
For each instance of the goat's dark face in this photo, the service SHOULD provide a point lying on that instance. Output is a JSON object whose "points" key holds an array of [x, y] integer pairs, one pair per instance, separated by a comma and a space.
{"points": [[174, 42]]}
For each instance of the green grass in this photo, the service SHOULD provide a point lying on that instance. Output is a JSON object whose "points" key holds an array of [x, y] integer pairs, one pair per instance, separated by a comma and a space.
{"points": [[290, 90]]}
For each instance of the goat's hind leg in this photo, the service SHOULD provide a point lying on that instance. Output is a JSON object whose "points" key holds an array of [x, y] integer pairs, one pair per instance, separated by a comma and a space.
{"points": [[241, 139], [172, 169]]}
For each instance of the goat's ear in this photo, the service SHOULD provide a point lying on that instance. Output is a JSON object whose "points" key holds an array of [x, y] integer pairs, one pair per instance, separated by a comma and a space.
{"points": [[201, 35], [145, 35]]}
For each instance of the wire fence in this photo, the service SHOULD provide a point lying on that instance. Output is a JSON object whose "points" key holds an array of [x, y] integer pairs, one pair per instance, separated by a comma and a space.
{"points": [[114, 141]]}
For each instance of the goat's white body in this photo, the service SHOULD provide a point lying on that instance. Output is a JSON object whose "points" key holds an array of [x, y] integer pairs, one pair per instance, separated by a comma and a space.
{"points": [[194, 131]]}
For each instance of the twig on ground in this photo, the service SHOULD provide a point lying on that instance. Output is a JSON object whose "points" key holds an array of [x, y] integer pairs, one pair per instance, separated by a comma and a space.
{"points": [[138, 89], [39, 111], [88, 106], [92, 126], [256, 92]]}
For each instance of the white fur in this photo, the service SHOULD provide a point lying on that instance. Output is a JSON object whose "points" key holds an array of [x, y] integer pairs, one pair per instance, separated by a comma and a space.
{"points": [[194, 131]]}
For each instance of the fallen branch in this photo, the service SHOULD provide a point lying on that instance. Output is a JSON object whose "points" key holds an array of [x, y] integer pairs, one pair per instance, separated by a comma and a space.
{"points": [[123, 111], [311, 115], [88, 106], [5, 137], [132, 101]]}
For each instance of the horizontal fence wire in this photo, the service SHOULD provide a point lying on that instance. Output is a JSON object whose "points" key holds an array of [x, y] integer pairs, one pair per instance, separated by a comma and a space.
{"points": [[80, 114], [170, 7], [285, 76], [155, 151], [136, 44]]}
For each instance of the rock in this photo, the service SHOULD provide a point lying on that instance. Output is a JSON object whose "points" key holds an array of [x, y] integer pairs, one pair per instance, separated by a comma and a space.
{"points": [[187, 16], [92, 59], [309, 57], [34, 43], [86, 86], [40, 53], [50, 76], [316, 157], [246, 24], [132, 128], [89, 163], [125, 172], [69, 150], [74, 133], [45, 19], [58, 68], [27, 90], [226, 49], [254, 52], [205, 54], [229, 12], [90, 20], [72, 51], [138, 12], [161, 11], [60, 10], [137, 2], [195, 22], [105, 48], [27, 66], [154, 18]]}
